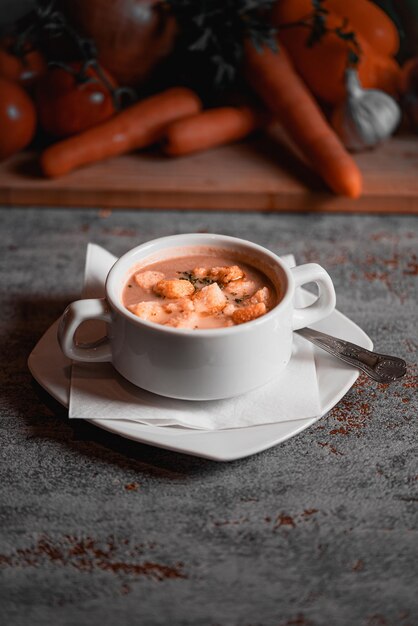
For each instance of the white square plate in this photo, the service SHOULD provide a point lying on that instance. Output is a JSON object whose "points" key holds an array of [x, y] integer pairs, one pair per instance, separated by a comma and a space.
{"points": [[52, 371]]}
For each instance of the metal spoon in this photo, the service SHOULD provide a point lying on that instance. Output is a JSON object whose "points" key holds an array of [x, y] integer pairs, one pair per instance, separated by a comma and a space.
{"points": [[380, 367]]}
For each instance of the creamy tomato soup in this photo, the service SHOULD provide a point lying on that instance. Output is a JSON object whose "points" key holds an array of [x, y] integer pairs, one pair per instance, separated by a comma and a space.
{"points": [[210, 289]]}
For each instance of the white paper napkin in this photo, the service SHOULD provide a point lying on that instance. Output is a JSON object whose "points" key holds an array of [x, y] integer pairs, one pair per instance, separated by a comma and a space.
{"points": [[98, 391]]}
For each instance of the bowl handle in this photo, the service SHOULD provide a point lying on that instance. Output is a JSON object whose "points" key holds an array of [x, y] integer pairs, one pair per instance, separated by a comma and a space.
{"points": [[76, 313], [323, 305]]}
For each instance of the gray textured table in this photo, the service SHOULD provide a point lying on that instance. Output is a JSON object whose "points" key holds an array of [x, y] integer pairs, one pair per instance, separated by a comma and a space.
{"points": [[320, 530]]}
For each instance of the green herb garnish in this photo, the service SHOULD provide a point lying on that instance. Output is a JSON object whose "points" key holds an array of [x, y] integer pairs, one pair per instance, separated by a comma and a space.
{"points": [[239, 300], [195, 280]]}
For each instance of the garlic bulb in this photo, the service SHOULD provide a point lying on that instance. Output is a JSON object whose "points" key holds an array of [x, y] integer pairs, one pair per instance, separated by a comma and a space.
{"points": [[367, 117]]}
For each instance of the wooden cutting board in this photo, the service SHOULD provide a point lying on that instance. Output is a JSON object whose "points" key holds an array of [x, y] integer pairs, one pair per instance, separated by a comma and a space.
{"points": [[261, 174]]}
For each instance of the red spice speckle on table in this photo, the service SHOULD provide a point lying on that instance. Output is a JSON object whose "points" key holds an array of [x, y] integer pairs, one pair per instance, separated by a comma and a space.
{"points": [[410, 380], [87, 554], [331, 448], [388, 267], [412, 266], [339, 431], [284, 520], [291, 521], [132, 487], [353, 414]]}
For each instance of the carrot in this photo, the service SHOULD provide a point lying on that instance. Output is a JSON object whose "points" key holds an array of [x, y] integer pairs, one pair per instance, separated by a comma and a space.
{"points": [[136, 127], [272, 76], [214, 127]]}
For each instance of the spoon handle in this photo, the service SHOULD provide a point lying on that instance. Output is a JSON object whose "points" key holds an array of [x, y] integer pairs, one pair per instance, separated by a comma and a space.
{"points": [[380, 367]]}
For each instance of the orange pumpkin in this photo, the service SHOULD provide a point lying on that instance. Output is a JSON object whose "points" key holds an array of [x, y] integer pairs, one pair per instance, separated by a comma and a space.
{"points": [[323, 65], [369, 20]]}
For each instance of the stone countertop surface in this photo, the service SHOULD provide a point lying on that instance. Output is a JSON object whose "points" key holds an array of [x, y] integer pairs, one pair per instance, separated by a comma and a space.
{"points": [[318, 531]]}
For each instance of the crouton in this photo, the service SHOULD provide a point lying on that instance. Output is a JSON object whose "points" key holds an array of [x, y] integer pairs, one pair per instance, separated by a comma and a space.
{"points": [[150, 311], [223, 275], [229, 309], [241, 288], [148, 279], [249, 312], [184, 305], [173, 289], [210, 299], [187, 319], [261, 295]]}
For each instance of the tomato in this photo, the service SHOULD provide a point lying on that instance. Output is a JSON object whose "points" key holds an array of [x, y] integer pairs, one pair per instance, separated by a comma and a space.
{"points": [[25, 69], [67, 105], [17, 118]]}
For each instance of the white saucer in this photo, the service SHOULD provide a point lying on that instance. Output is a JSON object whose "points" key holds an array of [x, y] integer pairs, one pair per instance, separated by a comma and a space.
{"points": [[52, 371]]}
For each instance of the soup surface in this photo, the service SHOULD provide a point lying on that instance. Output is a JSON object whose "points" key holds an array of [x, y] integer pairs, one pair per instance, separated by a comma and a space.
{"points": [[206, 290]]}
